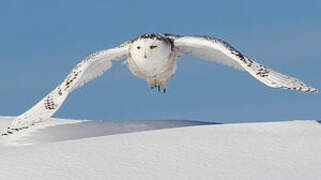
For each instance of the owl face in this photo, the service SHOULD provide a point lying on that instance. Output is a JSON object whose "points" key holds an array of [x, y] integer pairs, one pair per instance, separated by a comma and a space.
{"points": [[150, 49]]}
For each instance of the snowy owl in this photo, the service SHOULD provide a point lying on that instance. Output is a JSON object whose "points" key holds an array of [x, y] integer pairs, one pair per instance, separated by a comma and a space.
{"points": [[152, 57]]}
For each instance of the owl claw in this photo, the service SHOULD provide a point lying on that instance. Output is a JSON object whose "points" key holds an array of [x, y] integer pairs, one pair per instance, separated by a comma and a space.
{"points": [[157, 84]]}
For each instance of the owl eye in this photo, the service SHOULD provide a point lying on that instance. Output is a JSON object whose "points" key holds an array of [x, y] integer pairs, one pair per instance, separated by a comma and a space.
{"points": [[152, 47], [138, 47]]}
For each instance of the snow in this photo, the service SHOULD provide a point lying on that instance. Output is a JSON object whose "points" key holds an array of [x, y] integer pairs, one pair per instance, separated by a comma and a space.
{"points": [[74, 149]]}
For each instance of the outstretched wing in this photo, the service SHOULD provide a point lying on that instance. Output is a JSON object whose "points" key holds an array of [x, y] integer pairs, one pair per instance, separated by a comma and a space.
{"points": [[219, 51], [88, 69]]}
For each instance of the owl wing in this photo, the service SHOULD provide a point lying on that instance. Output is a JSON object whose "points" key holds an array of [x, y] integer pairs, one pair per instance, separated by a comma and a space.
{"points": [[219, 51], [88, 69]]}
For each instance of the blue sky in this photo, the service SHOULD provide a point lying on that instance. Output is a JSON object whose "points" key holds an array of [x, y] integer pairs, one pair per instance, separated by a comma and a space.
{"points": [[41, 41]]}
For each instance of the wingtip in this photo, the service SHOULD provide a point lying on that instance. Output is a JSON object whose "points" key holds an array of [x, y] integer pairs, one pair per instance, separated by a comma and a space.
{"points": [[10, 130], [313, 90], [310, 90], [302, 89], [7, 132]]}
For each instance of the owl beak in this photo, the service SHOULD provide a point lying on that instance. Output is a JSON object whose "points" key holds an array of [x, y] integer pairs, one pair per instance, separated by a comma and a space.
{"points": [[145, 56]]}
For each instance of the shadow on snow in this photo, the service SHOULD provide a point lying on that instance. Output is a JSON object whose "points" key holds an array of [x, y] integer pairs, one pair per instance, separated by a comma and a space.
{"points": [[102, 128]]}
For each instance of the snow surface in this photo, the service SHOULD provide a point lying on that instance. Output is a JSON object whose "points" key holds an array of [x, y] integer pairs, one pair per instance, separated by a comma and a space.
{"points": [[74, 149]]}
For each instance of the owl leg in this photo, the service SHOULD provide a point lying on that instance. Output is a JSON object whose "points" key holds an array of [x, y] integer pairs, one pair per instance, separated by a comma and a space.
{"points": [[159, 84]]}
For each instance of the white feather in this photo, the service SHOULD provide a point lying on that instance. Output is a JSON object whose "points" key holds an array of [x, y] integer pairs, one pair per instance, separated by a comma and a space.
{"points": [[219, 51], [161, 61], [88, 69]]}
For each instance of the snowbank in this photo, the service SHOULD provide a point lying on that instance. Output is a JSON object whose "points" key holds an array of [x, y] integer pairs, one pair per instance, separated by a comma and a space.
{"points": [[70, 149]]}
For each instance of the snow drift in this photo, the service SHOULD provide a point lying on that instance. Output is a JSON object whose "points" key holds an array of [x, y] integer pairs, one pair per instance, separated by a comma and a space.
{"points": [[72, 149]]}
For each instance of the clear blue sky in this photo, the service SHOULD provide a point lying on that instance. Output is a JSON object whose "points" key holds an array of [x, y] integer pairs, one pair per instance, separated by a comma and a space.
{"points": [[41, 41]]}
